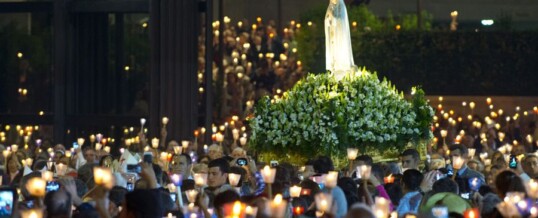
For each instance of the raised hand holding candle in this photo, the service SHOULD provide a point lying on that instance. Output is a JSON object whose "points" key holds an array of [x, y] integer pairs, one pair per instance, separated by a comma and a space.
{"points": [[363, 172], [80, 142], [278, 206], [155, 143], [165, 121], [103, 176], [381, 207]]}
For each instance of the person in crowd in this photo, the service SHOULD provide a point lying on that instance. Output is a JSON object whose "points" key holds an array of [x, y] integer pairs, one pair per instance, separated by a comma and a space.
{"points": [[410, 202], [182, 164], [85, 172], [529, 163], [14, 171], [215, 152], [465, 173], [410, 159], [217, 178]]}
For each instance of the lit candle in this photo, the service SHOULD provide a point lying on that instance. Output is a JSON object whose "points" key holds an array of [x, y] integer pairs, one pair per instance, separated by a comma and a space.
{"points": [[98, 146], [457, 163], [191, 195], [47, 176], [235, 133], [36, 187], [155, 143], [278, 206], [352, 153], [80, 142], [165, 121], [323, 202], [298, 211], [176, 179], [389, 179], [444, 133], [295, 191], [14, 148], [103, 176], [471, 213], [514, 197], [142, 122], [268, 174], [219, 137], [483, 155], [185, 144], [243, 141], [363, 171], [251, 211], [382, 207], [200, 179], [234, 179], [107, 149], [330, 179], [472, 152], [533, 188], [6, 153], [32, 213], [61, 169], [177, 149]]}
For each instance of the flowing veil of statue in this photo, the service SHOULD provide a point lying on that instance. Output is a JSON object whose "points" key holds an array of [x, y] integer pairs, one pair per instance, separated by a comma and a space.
{"points": [[338, 55]]}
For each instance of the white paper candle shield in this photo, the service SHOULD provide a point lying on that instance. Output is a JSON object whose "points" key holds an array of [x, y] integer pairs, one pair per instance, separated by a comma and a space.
{"points": [[352, 153], [234, 179], [191, 195], [363, 171], [295, 191], [200, 179], [268, 174]]}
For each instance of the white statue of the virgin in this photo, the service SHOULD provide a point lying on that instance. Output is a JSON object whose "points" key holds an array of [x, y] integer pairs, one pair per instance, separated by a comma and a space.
{"points": [[338, 55]]}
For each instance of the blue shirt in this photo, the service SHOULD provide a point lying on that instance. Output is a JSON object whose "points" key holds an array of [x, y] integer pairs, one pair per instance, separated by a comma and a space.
{"points": [[339, 199], [409, 203]]}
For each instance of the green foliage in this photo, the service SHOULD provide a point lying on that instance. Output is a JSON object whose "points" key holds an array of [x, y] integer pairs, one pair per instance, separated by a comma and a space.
{"points": [[321, 115]]}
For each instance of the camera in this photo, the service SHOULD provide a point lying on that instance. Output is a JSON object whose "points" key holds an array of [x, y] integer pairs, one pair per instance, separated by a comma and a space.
{"points": [[513, 162], [130, 186], [241, 162], [134, 168], [7, 196], [274, 163], [148, 157], [52, 186]]}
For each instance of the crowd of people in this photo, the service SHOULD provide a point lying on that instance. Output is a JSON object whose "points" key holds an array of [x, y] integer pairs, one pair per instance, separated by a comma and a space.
{"points": [[258, 60], [475, 166], [486, 170]]}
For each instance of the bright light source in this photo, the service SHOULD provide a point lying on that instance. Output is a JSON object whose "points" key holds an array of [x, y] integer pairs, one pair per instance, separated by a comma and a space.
{"points": [[487, 22]]}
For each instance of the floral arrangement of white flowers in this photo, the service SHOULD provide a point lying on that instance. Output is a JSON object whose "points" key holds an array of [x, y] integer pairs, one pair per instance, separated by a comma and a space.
{"points": [[323, 116]]}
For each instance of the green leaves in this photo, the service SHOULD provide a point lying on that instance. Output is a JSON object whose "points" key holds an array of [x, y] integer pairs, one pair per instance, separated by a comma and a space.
{"points": [[323, 116]]}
